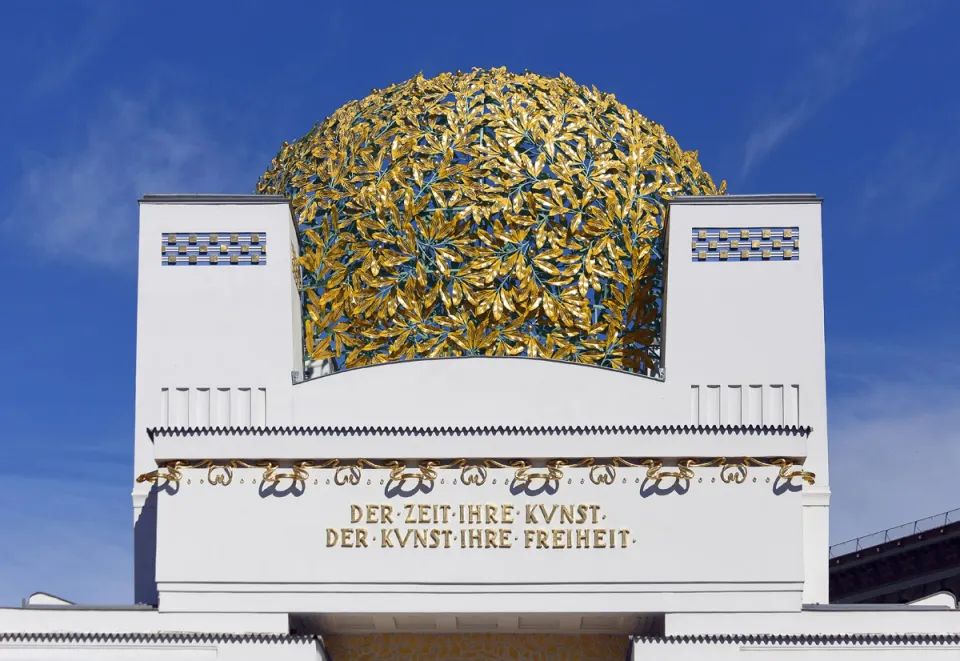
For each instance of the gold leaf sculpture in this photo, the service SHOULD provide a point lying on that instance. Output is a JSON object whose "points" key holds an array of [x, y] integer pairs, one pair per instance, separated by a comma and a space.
{"points": [[484, 213]]}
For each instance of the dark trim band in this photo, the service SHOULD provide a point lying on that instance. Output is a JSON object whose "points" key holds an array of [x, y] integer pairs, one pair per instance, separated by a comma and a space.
{"points": [[276, 639], [642, 430], [187, 198], [808, 639]]}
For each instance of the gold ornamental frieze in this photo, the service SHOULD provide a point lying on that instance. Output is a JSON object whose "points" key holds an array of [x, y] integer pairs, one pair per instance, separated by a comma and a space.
{"points": [[475, 472]]}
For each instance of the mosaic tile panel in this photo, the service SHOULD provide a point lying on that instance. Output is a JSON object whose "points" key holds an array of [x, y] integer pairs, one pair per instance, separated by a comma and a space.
{"points": [[477, 647], [745, 244], [213, 249]]}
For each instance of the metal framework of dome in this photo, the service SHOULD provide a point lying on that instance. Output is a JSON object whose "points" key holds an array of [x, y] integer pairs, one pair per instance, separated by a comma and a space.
{"points": [[484, 213]]}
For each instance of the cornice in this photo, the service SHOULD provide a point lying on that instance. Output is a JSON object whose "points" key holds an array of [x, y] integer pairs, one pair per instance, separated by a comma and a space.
{"points": [[808, 639], [770, 198], [638, 430], [203, 198], [270, 639]]}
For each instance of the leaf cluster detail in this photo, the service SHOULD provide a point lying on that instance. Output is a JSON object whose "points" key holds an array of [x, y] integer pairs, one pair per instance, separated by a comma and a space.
{"points": [[484, 213]]}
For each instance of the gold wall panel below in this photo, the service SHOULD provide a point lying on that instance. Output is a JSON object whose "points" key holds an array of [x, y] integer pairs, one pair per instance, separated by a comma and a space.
{"points": [[476, 647]]}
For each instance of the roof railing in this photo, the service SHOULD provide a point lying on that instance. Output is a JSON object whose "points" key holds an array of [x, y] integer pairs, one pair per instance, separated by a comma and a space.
{"points": [[892, 534]]}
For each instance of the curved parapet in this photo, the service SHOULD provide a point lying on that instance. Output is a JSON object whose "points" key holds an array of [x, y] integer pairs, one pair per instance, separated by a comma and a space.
{"points": [[485, 391]]}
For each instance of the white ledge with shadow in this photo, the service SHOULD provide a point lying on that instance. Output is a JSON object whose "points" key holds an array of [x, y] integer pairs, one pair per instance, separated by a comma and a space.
{"points": [[227, 445]]}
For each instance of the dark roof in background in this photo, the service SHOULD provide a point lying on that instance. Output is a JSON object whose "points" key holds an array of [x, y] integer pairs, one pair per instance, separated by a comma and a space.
{"points": [[898, 565]]}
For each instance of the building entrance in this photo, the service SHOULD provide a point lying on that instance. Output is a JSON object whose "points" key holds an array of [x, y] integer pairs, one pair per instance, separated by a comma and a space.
{"points": [[476, 647]]}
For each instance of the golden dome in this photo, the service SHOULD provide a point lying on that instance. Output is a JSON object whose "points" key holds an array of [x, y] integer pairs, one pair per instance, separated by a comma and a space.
{"points": [[484, 213]]}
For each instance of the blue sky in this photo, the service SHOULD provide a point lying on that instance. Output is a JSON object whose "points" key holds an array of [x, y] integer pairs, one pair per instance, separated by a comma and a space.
{"points": [[858, 101]]}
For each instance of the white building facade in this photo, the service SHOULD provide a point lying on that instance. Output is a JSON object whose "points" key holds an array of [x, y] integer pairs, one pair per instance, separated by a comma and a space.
{"points": [[480, 507]]}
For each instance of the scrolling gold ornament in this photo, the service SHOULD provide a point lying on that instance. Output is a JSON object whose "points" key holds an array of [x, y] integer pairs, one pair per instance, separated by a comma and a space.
{"points": [[474, 473]]}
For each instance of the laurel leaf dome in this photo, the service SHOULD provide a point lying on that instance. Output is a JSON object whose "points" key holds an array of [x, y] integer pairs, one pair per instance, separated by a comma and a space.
{"points": [[484, 213]]}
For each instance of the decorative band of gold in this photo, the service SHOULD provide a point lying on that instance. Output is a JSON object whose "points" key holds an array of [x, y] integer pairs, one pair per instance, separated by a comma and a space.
{"points": [[474, 473]]}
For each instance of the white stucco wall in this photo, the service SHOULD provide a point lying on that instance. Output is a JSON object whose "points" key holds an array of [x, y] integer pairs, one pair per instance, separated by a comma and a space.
{"points": [[56, 649], [252, 546], [852, 620], [216, 345], [743, 343], [756, 324], [808, 651], [753, 330], [211, 335], [78, 634]]}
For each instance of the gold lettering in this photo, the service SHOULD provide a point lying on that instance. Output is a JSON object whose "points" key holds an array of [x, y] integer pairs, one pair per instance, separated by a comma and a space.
{"points": [[557, 541], [542, 539], [331, 537], [581, 515], [420, 538], [490, 541], [480, 526], [583, 539], [409, 537], [474, 537], [531, 514], [346, 538], [599, 538]]}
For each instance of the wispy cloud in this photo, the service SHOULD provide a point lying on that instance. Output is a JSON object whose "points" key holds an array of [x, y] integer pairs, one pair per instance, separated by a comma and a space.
{"points": [[894, 436], [861, 37], [917, 170], [82, 202], [910, 186], [72, 57], [68, 537]]}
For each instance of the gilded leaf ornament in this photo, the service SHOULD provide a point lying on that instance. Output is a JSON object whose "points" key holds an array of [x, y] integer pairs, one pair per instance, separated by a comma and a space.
{"points": [[484, 213]]}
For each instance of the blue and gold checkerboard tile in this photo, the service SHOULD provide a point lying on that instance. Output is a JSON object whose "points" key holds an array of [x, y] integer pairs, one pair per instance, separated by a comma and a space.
{"points": [[746, 244], [214, 249]]}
